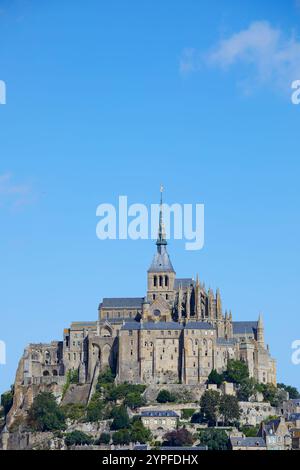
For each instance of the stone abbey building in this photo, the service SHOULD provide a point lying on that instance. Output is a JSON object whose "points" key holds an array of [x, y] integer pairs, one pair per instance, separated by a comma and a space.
{"points": [[177, 333]]}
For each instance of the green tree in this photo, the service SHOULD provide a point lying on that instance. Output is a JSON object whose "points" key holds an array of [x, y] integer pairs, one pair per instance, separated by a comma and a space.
{"points": [[292, 391], [121, 437], [95, 409], [179, 437], [215, 378], [7, 399], [214, 439], [104, 438], [246, 389], [229, 409], [120, 418], [250, 431], [105, 379], [237, 371], [270, 393], [139, 433], [74, 411], [165, 396], [134, 400], [45, 414], [209, 406], [77, 438]]}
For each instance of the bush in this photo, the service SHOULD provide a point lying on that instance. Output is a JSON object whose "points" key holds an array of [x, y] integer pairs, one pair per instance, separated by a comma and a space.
{"points": [[121, 437], [77, 438], [165, 396], [45, 414]]}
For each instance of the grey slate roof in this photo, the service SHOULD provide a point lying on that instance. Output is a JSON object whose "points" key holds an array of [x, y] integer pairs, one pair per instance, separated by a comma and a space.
{"points": [[160, 414], [122, 302], [199, 325], [184, 448], [161, 262], [294, 417], [242, 327], [83, 324], [247, 442], [184, 283], [152, 326], [226, 342]]}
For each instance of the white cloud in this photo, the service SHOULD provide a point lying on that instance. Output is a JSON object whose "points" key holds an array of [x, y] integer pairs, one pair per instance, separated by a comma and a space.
{"points": [[269, 55], [12, 194]]}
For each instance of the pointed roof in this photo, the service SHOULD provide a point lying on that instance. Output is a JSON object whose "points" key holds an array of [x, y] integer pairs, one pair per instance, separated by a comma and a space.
{"points": [[161, 261]]}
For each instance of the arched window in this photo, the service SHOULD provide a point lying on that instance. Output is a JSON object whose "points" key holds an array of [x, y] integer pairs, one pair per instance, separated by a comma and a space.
{"points": [[166, 281], [160, 281], [155, 281], [54, 372], [45, 373], [47, 357]]}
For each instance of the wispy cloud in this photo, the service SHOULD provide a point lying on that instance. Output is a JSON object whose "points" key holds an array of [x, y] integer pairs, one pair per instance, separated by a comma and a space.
{"points": [[14, 194], [270, 56]]}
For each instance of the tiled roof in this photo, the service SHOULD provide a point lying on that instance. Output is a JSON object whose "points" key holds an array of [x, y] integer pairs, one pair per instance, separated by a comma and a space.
{"points": [[242, 327], [122, 302], [160, 414], [247, 442]]}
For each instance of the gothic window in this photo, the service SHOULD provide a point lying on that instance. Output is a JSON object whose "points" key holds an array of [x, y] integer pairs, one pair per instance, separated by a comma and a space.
{"points": [[55, 372], [45, 373], [167, 296], [160, 281], [131, 353], [166, 281], [47, 357], [153, 296], [155, 281]]}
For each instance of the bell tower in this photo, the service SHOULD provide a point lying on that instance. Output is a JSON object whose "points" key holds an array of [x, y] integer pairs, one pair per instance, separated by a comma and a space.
{"points": [[161, 274]]}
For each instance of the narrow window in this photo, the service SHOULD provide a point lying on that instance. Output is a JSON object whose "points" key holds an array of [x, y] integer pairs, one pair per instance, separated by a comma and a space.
{"points": [[166, 281]]}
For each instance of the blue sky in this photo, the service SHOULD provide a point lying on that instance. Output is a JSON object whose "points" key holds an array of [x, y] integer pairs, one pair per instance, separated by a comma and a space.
{"points": [[113, 98]]}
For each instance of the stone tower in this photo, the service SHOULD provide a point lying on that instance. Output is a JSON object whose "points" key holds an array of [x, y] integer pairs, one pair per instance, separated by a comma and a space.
{"points": [[161, 274]]}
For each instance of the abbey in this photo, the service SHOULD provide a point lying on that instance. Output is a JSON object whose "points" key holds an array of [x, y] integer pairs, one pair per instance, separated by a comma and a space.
{"points": [[176, 333]]}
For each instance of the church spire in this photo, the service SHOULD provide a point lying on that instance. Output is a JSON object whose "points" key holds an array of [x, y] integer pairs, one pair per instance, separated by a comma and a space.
{"points": [[161, 238]]}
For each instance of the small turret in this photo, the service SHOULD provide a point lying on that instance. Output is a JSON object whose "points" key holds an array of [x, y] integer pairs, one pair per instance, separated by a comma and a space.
{"points": [[260, 331]]}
